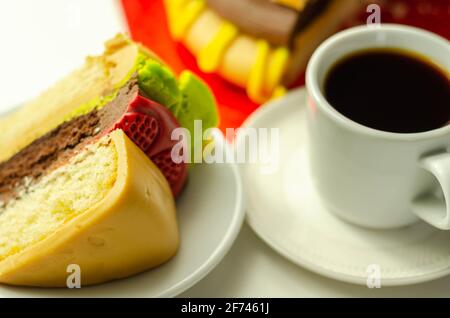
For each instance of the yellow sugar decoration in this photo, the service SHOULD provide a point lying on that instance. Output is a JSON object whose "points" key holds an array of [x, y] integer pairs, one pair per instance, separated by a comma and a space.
{"points": [[276, 68], [211, 55], [183, 14], [174, 9], [294, 4], [255, 85], [279, 92]]}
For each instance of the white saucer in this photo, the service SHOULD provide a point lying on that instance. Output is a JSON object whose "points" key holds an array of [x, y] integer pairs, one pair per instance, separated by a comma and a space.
{"points": [[285, 211], [210, 215]]}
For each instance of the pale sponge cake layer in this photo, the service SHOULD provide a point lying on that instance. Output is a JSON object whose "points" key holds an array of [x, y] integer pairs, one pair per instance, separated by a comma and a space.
{"points": [[42, 207], [131, 229]]}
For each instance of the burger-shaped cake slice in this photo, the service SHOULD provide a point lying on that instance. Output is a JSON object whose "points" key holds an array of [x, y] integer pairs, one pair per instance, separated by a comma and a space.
{"points": [[260, 45], [93, 182]]}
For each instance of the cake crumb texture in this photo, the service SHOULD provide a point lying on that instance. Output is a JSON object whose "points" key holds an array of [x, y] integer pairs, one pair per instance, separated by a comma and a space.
{"points": [[65, 193]]}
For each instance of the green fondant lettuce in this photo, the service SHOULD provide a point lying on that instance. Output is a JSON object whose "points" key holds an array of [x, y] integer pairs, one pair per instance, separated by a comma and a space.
{"points": [[188, 98]]}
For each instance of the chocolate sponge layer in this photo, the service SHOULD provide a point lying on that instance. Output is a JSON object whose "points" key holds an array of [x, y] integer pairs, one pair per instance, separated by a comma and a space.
{"points": [[58, 146]]}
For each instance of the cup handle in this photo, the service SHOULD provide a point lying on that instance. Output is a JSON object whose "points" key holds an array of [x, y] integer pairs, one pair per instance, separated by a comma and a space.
{"points": [[434, 208]]}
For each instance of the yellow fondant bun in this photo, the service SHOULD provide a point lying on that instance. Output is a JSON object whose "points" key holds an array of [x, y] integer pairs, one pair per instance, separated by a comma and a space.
{"points": [[237, 57], [129, 229], [252, 63]]}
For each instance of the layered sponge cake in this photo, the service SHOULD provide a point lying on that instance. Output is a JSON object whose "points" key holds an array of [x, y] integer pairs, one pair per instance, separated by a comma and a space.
{"points": [[41, 207], [97, 186]]}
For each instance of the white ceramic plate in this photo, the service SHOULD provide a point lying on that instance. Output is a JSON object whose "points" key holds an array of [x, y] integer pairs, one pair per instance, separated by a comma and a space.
{"points": [[284, 209], [210, 215]]}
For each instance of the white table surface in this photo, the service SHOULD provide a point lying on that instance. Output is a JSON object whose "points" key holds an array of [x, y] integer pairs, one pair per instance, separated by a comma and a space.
{"points": [[252, 269], [43, 40]]}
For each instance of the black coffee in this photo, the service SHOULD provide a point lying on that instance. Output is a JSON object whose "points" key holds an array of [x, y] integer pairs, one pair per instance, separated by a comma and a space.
{"points": [[390, 90]]}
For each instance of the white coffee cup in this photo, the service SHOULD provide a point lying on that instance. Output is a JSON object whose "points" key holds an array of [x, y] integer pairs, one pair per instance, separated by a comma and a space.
{"points": [[374, 178]]}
